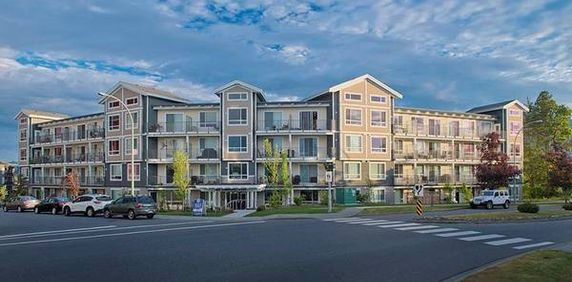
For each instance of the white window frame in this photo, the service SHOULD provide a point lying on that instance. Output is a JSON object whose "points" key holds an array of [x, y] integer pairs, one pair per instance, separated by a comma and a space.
{"points": [[519, 127], [513, 151], [126, 142], [382, 98], [111, 172], [109, 147], [127, 120], [228, 94], [381, 123], [25, 154], [382, 176], [242, 175], [23, 120], [350, 94], [114, 107], [109, 123], [346, 175], [131, 98], [241, 121], [228, 144], [137, 171], [347, 148], [23, 137], [377, 150], [351, 123], [513, 112]]}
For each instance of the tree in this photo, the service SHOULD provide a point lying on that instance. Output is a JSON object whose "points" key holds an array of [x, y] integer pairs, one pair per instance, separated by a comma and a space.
{"points": [[467, 192], [560, 169], [494, 170], [3, 193], [272, 161], [286, 181], [71, 180], [181, 175]]}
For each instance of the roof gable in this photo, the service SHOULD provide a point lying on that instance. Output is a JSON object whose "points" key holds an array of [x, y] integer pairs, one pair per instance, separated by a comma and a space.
{"points": [[40, 114], [499, 106], [146, 91], [255, 89], [347, 83]]}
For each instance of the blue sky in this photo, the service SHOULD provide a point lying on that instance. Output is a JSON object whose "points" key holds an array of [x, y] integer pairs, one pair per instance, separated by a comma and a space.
{"points": [[55, 55]]}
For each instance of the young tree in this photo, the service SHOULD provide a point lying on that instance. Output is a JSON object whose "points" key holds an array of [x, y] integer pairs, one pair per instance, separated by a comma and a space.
{"points": [[181, 175], [560, 169], [3, 193], [494, 171], [287, 186], [272, 162]]}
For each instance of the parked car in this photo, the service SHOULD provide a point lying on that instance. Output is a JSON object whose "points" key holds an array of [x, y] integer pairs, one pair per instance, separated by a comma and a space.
{"points": [[21, 203], [131, 207], [53, 205], [88, 204], [491, 198]]}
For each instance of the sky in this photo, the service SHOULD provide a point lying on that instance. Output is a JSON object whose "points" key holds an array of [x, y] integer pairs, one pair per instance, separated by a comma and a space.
{"points": [[450, 55]]}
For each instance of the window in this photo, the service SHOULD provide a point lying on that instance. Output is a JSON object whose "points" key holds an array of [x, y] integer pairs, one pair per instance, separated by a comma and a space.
{"points": [[514, 127], [128, 120], [353, 116], [131, 101], [273, 120], [377, 171], [309, 120], [113, 104], [127, 145], [308, 173], [353, 143], [378, 118], [377, 99], [418, 124], [113, 148], [23, 154], [23, 120], [237, 96], [237, 116], [308, 147], [238, 170], [237, 144], [116, 173], [514, 112], [454, 128], [137, 172], [353, 96], [113, 122], [515, 150], [378, 144], [352, 171], [434, 127], [208, 119], [175, 122], [23, 134]]}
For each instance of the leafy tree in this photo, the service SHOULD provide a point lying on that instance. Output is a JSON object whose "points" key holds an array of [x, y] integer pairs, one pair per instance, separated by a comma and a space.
{"points": [[3, 193], [494, 171], [560, 169], [467, 192], [181, 175], [272, 162], [448, 190], [285, 176]]}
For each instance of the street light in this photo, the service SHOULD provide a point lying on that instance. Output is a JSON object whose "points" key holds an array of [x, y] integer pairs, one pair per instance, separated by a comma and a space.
{"points": [[132, 139], [514, 151]]}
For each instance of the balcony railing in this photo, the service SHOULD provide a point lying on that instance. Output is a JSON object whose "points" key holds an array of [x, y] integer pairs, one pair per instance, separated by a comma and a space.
{"points": [[287, 125], [184, 127], [442, 131], [73, 135], [58, 180], [435, 155], [73, 158], [408, 179], [199, 154], [162, 180], [304, 153]]}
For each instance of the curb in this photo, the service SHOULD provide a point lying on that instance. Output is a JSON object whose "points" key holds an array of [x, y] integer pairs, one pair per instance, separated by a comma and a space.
{"points": [[453, 221]]}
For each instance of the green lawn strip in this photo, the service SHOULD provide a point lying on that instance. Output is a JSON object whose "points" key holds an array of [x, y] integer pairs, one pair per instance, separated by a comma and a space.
{"points": [[547, 265], [295, 210], [511, 215], [188, 213], [407, 209], [555, 201]]}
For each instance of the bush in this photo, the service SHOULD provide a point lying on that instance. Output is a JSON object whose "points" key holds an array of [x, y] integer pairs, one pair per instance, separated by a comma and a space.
{"points": [[323, 197], [567, 206], [260, 208], [275, 199], [298, 201], [528, 208]]}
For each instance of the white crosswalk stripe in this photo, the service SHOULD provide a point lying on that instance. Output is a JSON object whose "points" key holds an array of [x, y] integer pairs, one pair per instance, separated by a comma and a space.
{"points": [[381, 223], [482, 237], [348, 220], [360, 221], [455, 234], [507, 241], [541, 244], [368, 221], [416, 227], [398, 225], [334, 219], [436, 230]]}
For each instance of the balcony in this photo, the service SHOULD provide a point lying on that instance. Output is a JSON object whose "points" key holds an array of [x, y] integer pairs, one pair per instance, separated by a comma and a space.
{"points": [[442, 131], [92, 180], [48, 180], [184, 127], [431, 179], [291, 125], [166, 155], [71, 136], [436, 156], [304, 154]]}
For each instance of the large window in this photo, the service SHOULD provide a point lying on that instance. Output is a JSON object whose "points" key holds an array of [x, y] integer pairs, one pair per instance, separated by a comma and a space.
{"points": [[377, 99], [377, 171], [515, 150], [352, 171], [237, 96], [237, 143], [308, 147], [127, 145], [454, 128], [514, 127], [238, 170], [353, 96], [378, 118], [113, 148], [23, 134], [418, 124], [131, 101], [272, 120], [175, 123], [128, 120], [113, 105], [23, 154], [113, 122], [208, 119], [137, 172], [353, 116], [353, 143], [308, 173], [378, 144], [434, 127], [116, 172], [237, 116]]}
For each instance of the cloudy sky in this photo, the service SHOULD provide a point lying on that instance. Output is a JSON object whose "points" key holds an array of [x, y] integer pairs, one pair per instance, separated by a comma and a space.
{"points": [[55, 55]]}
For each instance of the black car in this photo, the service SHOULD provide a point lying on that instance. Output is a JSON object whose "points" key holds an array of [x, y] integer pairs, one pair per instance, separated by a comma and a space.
{"points": [[53, 205], [131, 207]]}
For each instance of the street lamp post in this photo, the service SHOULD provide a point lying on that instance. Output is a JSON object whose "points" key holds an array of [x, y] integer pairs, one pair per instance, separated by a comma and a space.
{"points": [[514, 152], [132, 139]]}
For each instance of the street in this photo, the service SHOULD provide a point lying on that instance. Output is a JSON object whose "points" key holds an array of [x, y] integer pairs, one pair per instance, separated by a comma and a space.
{"points": [[388, 248]]}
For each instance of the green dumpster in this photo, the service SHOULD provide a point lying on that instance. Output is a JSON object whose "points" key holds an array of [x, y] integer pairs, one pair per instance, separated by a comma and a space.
{"points": [[346, 196]]}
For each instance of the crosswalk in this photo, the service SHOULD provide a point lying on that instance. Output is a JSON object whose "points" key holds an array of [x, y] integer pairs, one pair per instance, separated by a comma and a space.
{"points": [[517, 243]]}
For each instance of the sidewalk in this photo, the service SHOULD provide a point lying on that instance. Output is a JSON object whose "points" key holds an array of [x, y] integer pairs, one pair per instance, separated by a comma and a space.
{"points": [[242, 215]]}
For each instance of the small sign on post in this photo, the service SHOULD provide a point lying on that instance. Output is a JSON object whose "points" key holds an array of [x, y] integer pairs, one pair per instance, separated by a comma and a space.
{"points": [[198, 207], [418, 191]]}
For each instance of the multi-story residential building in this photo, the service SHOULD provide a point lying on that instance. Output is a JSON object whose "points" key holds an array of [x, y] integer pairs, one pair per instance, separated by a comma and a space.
{"points": [[355, 125]]}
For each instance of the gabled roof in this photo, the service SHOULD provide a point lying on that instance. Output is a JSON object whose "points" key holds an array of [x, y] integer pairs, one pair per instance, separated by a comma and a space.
{"points": [[41, 114], [146, 90], [498, 106], [73, 119], [243, 84], [344, 84]]}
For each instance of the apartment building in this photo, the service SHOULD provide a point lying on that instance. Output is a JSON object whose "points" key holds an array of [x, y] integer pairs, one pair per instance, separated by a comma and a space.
{"points": [[374, 145]]}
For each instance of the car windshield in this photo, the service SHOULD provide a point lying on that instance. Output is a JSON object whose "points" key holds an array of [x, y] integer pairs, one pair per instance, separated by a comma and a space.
{"points": [[27, 198], [487, 193], [145, 200], [62, 199], [103, 198]]}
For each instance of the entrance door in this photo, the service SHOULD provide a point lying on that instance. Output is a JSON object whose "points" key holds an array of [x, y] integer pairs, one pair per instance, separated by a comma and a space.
{"points": [[237, 200]]}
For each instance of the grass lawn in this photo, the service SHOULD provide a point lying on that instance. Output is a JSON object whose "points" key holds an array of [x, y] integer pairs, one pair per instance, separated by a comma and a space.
{"points": [[408, 209], [295, 210], [511, 215], [536, 266], [189, 213]]}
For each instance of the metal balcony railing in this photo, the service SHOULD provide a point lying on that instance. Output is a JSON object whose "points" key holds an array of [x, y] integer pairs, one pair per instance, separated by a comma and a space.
{"points": [[70, 136], [287, 125], [184, 127], [304, 153], [443, 131]]}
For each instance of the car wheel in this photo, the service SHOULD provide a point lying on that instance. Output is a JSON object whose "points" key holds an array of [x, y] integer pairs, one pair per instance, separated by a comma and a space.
{"points": [[107, 213], [489, 205], [150, 216], [473, 206], [5, 208], [131, 215], [36, 210], [67, 211], [506, 205], [20, 209], [90, 212], [54, 211]]}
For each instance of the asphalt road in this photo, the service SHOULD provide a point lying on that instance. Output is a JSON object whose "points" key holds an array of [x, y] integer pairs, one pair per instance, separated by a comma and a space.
{"points": [[58, 248]]}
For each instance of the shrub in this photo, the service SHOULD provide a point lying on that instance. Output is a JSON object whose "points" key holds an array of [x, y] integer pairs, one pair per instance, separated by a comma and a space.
{"points": [[298, 201], [567, 206], [528, 208], [323, 197], [363, 197], [260, 208], [275, 199]]}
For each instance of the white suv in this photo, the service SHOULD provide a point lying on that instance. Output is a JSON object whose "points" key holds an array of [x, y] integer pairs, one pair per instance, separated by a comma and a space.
{"points": [[88, 204], [491, 198]]}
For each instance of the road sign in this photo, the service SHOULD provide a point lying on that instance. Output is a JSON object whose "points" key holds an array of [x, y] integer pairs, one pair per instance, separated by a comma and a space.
{"points": [[418, 190], [419, 207], [329, 176], [198, 207]]}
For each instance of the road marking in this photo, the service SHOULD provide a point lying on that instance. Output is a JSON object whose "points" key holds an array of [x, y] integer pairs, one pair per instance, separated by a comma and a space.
{"points": [[436, 230], [533, 245], [374, 222], [57, 231], [382, 223], [101, 230], [130, 233], [416, 227], [398, 225], [482, 237], [507, 241], [454, 234], [360, 221], [348, 220], [334, 219]]}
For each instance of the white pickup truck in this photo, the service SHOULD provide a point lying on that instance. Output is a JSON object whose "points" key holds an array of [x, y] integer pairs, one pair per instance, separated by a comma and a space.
{"points": [[491, 198]]}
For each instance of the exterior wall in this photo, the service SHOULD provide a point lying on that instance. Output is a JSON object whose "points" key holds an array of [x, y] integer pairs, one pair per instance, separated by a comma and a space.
{"points": [[238, 129]]}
